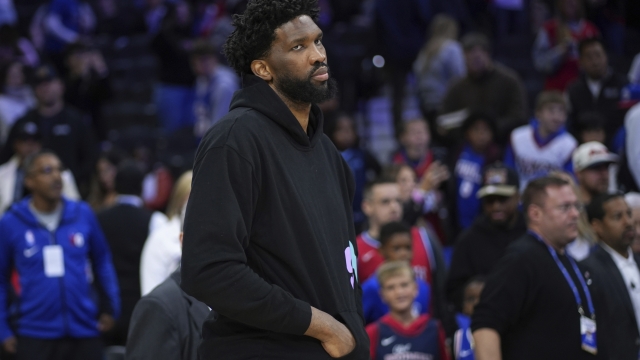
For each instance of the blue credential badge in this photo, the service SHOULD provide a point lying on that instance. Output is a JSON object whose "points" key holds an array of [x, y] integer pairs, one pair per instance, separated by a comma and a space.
{"points": [[588, 335]]}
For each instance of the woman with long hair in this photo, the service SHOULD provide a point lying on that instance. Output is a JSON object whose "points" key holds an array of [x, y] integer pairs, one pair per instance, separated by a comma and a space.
{"points": [[162, 251], [439, 63]]}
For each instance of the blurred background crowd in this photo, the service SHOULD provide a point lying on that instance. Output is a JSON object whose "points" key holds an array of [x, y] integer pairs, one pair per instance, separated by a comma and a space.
{"points": [[430, 93]]}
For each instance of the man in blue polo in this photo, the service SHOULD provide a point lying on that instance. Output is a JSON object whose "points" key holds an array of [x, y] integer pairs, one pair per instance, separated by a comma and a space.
{"points": [[56, 248]]}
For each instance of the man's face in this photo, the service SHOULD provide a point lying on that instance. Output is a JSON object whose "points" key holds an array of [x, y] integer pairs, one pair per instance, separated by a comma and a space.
{"points": [[407, 182], [398, 247], [480, 135], [595, 180], [594, 62], [204, 65], [383, 205], [635, 245], [500, 209], [44, 179], [49, 92], [399, 292], [26, 147], [416, 136], [344, 135], [552, 117], [478, 60], [297, 63], [559, 216], [616, 228]]}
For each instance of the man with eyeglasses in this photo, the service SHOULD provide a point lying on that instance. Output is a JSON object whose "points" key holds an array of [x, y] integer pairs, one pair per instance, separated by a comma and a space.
{"points": [[479, 247], [53, 244], [536, 303], [591, 163], [614, 268]]}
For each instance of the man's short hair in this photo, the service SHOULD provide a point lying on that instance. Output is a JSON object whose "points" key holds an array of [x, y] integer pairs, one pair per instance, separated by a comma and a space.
{"points": [[550, 97], [129, 178], [536, 191], [390, 269], [387, 231], [475, 39], [30, 161], [589, 121], [255, 29], [473, 118], [585, 43], [368, 188], [595, 209]]}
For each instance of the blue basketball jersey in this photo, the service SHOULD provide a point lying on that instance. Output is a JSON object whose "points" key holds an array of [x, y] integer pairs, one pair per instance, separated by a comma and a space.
{"points": [[423, 340]]}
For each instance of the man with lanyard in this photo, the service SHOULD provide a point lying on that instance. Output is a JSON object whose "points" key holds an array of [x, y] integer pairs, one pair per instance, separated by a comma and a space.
{"points": [[536, 304]]}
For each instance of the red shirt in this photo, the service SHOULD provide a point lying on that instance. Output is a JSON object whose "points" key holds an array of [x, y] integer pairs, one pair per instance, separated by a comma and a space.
{"points": [[369, 258], [569, 69]]}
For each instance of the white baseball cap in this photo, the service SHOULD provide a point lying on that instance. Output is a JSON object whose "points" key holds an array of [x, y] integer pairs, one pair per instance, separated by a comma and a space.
{"points": [[591, 154]]}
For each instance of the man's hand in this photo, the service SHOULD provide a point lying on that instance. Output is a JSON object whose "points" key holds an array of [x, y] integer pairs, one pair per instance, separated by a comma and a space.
{"points": [[435, 175], [105, 323], [10, 345], [335, 338]]}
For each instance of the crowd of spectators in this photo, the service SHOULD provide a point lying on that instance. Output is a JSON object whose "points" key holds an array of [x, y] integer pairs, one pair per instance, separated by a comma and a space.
{"points": [[105, 101]]}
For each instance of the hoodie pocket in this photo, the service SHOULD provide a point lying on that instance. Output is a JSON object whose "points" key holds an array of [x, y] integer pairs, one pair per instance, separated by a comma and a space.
{"points": [[354, 323]]}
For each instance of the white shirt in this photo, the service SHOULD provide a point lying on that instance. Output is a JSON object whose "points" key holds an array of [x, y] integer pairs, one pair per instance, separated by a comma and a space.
{"points": [[594, 87], [631, 276], [160, 255]]}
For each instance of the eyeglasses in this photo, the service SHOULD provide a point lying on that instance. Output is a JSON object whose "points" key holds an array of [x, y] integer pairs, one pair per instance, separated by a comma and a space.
{"points": [[565, 208]]}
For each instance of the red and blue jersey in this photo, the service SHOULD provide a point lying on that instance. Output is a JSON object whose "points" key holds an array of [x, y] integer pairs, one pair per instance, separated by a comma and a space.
{"points": [[423, 262], [423, 339]]}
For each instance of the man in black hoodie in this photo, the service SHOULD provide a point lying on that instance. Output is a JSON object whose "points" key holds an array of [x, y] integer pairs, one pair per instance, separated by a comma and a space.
{"points": [[479, 248], [269, 242]]}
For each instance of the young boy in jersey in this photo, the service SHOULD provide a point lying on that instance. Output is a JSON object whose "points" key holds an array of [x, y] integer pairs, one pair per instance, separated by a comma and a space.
{"points": [[402, 334], [463, 340], [543, 145], [415, 149], [477, 150], [395, 245]]}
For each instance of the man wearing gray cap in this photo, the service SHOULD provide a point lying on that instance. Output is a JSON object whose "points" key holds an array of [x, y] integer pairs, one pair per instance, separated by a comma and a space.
{"points": [[480, 247], [591, 165]]}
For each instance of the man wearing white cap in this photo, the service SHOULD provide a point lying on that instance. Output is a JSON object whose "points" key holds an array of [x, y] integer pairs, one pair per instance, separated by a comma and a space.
{"points": [[591, 165]]}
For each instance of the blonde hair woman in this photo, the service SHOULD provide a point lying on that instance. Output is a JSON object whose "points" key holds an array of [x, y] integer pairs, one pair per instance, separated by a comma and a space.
{"points": [[162, 251], [579, 249], [440, 62]]}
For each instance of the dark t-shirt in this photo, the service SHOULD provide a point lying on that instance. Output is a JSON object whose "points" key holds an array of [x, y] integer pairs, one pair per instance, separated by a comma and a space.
{"points": [[530, 304]]}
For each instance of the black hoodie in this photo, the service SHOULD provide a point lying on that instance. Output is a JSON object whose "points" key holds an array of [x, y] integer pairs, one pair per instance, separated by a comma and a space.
{"points": [[269, 233]]}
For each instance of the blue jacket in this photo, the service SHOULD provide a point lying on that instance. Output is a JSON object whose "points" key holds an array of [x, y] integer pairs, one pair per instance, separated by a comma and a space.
{"points": [[55, 307]]}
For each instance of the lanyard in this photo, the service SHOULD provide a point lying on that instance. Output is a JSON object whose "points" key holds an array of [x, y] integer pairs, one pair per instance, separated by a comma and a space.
{"points": [[572, 284]]}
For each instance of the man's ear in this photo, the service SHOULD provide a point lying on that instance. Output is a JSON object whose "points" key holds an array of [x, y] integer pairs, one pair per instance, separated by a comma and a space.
{"points": [[596, 225], [261, 70]]}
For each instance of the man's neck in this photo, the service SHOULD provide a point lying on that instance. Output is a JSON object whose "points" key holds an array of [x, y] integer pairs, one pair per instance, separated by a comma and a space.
{"points": [[622, 250], [51, 110], [415, 154], [558, 248], [585, 195], [405, 317], [300, 111], [374, 231], [44, 205], [543, 133]]}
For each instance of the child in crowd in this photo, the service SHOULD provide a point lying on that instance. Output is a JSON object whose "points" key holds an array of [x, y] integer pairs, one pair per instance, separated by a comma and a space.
{"points": [[590, 127], [415, 151], [395, 245], [543, 145], [463, 340], [477, 150], [341, 129], [403, 334]]}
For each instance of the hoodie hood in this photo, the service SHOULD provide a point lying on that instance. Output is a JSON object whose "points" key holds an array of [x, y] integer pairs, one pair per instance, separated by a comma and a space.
{"points": [[259, 96]]}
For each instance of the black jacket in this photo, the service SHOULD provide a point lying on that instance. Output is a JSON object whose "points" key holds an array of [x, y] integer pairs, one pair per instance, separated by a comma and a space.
{"points": [[126, 228], [606, 104], [269, 232], [166, 324], [477, 251], [614, 310], [66, 134]]}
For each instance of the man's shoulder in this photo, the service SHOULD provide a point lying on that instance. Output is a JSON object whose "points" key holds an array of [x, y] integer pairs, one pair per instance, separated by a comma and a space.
{"points": [[507, 74], [168, 294], [240, 125]]}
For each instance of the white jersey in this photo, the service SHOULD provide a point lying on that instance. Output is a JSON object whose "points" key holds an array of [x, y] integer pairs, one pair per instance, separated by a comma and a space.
{"points": [[534, 161]]}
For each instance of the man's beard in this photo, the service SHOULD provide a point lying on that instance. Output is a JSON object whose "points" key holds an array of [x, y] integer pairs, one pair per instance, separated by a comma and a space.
{"points": [[303, 91]]}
